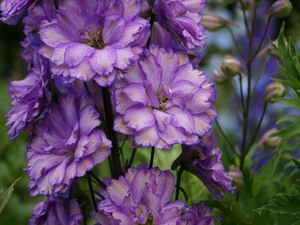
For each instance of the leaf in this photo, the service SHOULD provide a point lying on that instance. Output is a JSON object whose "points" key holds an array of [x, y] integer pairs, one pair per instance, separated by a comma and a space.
{"points": [[290, 63], [6, 196], [297, 163], [284, 203]]}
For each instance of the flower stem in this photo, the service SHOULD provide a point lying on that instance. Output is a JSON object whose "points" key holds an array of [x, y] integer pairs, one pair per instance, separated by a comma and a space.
{"points": [[178, 182], [92, 191], [152, 157], [115, 163], [258, 126], [132, 157]]}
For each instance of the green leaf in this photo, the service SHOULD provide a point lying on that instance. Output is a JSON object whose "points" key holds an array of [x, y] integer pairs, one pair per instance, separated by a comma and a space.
{"points": [[6, 196], [284, 203], [290, 63], [297, 163]]}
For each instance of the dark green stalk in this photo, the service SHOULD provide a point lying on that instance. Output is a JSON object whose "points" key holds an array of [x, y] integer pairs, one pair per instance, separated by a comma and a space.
{"points": [[236, 44], [131, 158], [152, 157], [115, 164], [92, 191], [263, 38], [258, 126], [242, 93], [226, 138], [178, 182], [97, 179]]}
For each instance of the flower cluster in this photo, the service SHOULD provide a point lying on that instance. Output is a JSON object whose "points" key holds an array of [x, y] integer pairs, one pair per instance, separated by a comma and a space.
{"points": [[103, 72]]}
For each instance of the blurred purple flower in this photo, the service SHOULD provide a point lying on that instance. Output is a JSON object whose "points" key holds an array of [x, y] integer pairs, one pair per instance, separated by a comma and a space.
{"points": [[29, 97], [142, 196], [57, 211], [197, 215], [65, 144], [204, 161], [92, 39], [162, 38], [13, 10], [181, 18], [161, 100], [41, 13]]}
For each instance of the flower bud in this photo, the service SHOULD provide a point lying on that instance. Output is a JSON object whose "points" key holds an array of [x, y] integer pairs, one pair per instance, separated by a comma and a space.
{"points": [[273, 90], [218, 76], [237, 176], [270, 141], [281, 8], [212, 22], [231, 66]]}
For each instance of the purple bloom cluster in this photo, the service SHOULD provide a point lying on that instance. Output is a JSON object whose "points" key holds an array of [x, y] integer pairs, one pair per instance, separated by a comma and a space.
{"points": [[65, 144], [92, 39], [204, 161], [161, 100], [101, 71], [13, 10], [181, 18], [29, 96], [143, 196], [57, 211]]}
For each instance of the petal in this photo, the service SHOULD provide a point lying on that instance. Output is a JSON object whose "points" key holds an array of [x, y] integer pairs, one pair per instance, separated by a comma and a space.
{"points": [[113, 29], [103, 60], [125, 57], [52, 36], [147, 137], [139, 117], [76, 52], [182, 118]]}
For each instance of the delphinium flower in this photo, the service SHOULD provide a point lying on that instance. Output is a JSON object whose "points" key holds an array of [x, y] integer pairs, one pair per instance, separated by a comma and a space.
{"points": [[162, 38], [197, 215], [181, 18], [141, 196], [65, 143], [43, 12], [161, 100], [57, 211], [13, 10], [29, 97], [92, 39], [204, 161]]}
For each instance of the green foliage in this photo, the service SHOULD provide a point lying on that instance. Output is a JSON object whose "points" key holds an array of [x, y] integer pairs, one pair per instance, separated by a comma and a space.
{"points": [[285, 203], [290, 62], [4, 197]]}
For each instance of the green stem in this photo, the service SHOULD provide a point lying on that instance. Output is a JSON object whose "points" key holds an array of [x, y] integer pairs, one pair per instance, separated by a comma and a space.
{"points": [[226, 138], [92, 191], [152, 157], [115, 164], [132, 158], [178, 182], [242, 93], [258, 127]]}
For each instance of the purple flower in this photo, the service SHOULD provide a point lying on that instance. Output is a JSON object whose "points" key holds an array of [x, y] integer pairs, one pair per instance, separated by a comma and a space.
{"points": [[142, 196], [65, 144], [204, 161], [197, 215], [41, 13], [29, 97], [13, 10], [161, 100], [57, 211], [92, 39], [181, 18]]}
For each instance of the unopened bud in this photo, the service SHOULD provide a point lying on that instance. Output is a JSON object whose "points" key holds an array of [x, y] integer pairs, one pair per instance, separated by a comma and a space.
{"points": [[231, 66], [273, 90], [213, 22], [218, 76], [281, 8], [269, 140], [237, 176]]}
